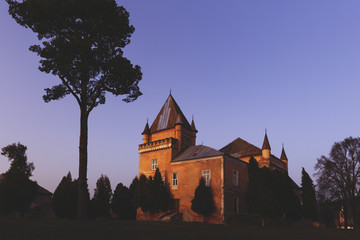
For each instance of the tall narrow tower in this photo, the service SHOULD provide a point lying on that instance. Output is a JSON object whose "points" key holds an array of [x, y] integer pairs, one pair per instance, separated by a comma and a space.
{"points": [[265, 153]]}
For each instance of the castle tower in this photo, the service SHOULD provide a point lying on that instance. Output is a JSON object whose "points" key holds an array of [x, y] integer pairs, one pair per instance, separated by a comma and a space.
{"points": [[265, 153], [146, 133], [169, 135], [284, 158]]}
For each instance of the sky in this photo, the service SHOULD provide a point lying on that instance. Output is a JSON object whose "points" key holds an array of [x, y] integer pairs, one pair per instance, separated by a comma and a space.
{"points": [[238, 67]]}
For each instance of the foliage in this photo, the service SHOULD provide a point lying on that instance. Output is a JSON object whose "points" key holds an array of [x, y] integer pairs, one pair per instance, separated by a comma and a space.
{"points": [[339, 176], [82, 42], [151, 194], [309, 205], [270, 193], [102, 197], [64, 200], [122, 204], [203, 202], [16, 189]]}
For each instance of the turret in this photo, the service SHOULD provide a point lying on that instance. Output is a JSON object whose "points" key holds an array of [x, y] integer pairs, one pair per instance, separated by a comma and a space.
{"points": [[146, 133], [284, 158], [193, 128], [178, 131], [266, 149]]}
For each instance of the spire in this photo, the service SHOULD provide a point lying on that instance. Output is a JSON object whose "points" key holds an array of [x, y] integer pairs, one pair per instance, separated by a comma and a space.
{"points": [[266, 144], [146, 129], [283, 154], [193, 124]]}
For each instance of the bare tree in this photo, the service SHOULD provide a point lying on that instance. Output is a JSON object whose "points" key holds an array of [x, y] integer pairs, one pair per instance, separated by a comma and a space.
{"points": [[339, 175]]}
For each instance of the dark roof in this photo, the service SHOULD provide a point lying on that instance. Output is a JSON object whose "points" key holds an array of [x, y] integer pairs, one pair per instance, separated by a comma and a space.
{"points": [[266, 144], [168, 115], [283, 155], [193, 125], [240, 148], [195, 152], [42, 191], [146, 129]]}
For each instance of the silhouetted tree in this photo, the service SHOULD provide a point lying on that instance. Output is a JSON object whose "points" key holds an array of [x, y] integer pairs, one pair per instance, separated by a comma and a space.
{"points": [[102, 197], [308, 197], [203, 202], [121, 202], [270, 194], [159, 194], [64, 200], [142, 194], [134, 196], [339, 176], [16, 189], [82, 45]]}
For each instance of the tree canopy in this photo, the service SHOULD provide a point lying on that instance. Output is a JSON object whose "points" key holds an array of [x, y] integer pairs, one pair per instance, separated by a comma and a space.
{"points": [[309, 205], [102, 197], [16, 189], [203, 201], [339, 176], [82, 44]]}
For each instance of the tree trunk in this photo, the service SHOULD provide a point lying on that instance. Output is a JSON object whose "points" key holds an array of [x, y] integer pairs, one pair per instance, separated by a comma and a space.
{"points": [[82, 181]]}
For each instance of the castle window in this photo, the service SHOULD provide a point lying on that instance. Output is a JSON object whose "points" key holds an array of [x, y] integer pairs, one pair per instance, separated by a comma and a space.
{"points": [[206, 174], [236, 205], [175, 179], [235, 177], [153, 164]]}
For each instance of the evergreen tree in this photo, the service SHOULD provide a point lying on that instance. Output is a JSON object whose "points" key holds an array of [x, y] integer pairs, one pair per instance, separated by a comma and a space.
{"points": [[102, 197], [142, 194], [159, 194], [16, 189], [82, 44], [203, 202], [308, 196], [64, 200], [121, 202]]}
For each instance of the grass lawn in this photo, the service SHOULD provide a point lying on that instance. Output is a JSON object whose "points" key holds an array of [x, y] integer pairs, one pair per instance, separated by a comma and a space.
{"points": [[106, 229]]}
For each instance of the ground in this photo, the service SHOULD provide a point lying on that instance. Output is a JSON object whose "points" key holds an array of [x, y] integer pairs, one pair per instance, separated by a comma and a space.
{"points": [[106, 229]]}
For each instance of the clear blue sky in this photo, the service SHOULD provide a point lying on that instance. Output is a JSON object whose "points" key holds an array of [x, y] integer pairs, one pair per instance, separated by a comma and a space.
{"points": [[292, 67]]}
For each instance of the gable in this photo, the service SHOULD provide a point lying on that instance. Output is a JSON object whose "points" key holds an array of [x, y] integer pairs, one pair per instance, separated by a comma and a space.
{"points": [[240, 148]]}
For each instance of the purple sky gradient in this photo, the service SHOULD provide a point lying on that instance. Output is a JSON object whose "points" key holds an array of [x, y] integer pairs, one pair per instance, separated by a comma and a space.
{"points": [[238, 66]]}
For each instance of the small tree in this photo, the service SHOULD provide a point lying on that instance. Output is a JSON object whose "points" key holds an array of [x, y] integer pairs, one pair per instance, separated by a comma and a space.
{"points": [[102, 197], [121, 203], [64, 200], [308, 197], [203, 202], [159, 194], [17, 190]]}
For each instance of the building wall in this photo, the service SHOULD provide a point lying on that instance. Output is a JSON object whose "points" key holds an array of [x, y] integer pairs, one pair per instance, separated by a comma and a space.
{"points": [[234, 192], [189, 174]]}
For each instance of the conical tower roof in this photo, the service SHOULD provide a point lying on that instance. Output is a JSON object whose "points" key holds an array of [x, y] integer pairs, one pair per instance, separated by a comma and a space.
{"points": [[168, 116], [193, 125], [266, 144], [283, 154], [146, 129]]}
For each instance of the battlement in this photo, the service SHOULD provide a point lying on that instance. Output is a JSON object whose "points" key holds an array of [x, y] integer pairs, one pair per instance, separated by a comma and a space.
{"points": [[157, 145]]}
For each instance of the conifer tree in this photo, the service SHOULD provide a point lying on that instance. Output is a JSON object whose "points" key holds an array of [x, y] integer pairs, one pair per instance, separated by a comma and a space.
{"points": [[102, 197], [82, 44], [203, 202], [121, 203], [64, 200], [308, 196]]}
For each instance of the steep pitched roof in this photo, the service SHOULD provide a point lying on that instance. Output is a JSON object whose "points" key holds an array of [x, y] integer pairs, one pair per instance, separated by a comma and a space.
{"points": [[283, 155], [240, 148], [195, 152], [266, 144], [146, 129], [168, 115]]}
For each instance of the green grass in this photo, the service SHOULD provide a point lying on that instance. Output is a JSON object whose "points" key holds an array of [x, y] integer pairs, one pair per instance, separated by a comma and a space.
{"points": [[106, 229]]}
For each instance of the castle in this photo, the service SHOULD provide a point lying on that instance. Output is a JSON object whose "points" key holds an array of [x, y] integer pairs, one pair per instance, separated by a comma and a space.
{"points": [[170, 145]]}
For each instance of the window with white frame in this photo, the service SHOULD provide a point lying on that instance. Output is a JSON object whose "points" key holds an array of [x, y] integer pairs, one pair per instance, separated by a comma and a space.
{"points": [[206, 174], [153, 164], [174, 179], [235, 177]]}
